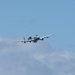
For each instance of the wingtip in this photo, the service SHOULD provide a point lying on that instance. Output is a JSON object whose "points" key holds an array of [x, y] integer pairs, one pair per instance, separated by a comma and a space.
{"points": [[51, 34]]}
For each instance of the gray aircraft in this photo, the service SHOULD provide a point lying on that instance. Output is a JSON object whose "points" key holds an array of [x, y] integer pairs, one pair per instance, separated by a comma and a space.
{"points": [[35, 39]]}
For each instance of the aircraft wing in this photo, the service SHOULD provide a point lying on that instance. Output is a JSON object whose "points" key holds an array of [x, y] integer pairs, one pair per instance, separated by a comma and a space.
{"points": [[47, 36]]}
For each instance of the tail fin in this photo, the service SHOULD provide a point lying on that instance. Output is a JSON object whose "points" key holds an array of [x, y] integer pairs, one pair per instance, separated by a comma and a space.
{"points": [[24, 38]]}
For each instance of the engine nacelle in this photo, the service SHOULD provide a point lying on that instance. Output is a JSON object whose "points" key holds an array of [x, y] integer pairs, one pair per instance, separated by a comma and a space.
{"points": [[29, 38], [42, 38]]}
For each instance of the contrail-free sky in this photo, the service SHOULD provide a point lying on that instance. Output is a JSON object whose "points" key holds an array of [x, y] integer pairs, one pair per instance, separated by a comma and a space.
{"points": [[24, 18]]}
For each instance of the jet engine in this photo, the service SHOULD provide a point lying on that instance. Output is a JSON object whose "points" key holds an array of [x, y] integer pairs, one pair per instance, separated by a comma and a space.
{"points": [[29, 38]]}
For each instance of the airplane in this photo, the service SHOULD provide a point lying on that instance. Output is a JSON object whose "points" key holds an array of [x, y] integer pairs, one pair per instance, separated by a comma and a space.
{"points": [[35, 39]]}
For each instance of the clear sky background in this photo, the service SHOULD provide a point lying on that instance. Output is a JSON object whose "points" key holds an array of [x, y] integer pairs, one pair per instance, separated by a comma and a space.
{"points": [[42, 17], [54, 56]]}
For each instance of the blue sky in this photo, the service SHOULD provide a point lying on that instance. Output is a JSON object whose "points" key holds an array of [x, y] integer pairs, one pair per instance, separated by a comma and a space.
{"points": [[54, 56], [30, 17]]}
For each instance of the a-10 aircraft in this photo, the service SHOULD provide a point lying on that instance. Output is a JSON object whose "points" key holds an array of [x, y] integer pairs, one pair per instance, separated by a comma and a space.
{"points": [[35, 39]]}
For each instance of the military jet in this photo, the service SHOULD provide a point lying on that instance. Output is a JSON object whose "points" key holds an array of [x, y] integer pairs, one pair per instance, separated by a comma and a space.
{"points": [[35, 39]]}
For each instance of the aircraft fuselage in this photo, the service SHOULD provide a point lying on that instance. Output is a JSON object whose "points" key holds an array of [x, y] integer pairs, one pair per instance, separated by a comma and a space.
{"points": [[36, 39]]}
